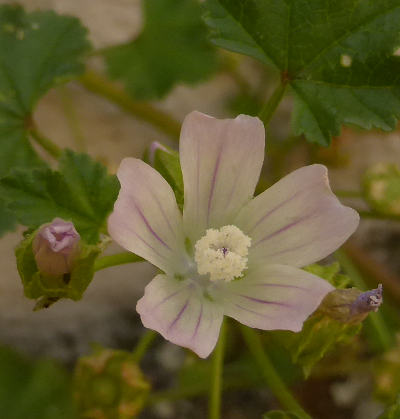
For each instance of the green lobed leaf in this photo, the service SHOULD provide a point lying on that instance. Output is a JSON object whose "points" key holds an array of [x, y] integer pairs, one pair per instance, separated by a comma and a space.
{"points": [[381, 189], [38, 50], [172, 48], [336, 56], [81, 191], [49, 289], [34, 390], [330, 273], [7, 219]]}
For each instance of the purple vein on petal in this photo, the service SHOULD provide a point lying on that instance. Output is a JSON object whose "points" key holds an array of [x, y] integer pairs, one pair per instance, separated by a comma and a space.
{"points": [[273, 210], [142, 216], [259, 300], [198, 322], [148, 245], [280, 205], [214, 180], [160, 207], [171, 326], [286, 227], [287, 250], [165, 299], [280, 286], [254, 312]]}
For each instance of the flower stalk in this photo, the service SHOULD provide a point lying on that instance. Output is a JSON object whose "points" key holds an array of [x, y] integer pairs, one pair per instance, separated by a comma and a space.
{"points": [[270, 107], [272, 378], [144, 343], [45, 142], [117, 259], [98, 84]]}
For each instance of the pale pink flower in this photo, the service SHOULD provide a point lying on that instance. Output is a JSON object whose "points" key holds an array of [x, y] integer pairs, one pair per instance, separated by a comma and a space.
{"points": [[230, 253], [56, 247]]}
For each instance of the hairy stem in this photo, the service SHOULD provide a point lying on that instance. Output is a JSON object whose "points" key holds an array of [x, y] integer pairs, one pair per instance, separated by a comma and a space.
{"points": [[144, 343], [270, 107], [214, 408], [272, 378], [376, 319], [117, 259], [72, 118], [100, 85], [45, 142]]}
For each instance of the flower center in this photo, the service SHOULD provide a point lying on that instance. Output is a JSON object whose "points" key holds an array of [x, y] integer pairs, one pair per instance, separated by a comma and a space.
{"points": [[222, 253]]}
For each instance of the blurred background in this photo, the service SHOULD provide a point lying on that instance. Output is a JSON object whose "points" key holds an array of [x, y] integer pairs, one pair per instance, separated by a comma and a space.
{"points": [[76, 118]]}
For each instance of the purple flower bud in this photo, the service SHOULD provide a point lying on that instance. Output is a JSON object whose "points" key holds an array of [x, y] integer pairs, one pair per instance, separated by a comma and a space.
{"points": [[367, 301], [56, 247]]}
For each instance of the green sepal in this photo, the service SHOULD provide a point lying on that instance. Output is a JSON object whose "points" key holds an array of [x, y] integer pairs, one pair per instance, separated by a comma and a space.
{"points": [[319, 335], [381, 189], [166, 162], [330, 273], [172, 48], [80, 191], [280, 414], [320, 332], [49, 289]]}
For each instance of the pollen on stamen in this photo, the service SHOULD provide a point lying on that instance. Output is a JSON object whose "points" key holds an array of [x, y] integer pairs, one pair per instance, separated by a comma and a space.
{"points": [[222, 253]]}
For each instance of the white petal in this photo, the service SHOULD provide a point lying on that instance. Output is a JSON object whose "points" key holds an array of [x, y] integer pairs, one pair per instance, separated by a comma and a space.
{"points": [[181, 313], [297, 221], [221, 162], [146, 219], [274, 297]]}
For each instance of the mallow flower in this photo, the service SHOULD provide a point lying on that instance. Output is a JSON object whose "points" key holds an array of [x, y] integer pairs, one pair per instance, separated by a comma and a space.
{"points": [[229, 253]]}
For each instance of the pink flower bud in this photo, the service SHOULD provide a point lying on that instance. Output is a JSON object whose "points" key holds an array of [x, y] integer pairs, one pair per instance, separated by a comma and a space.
{"points": [[55, 247]]}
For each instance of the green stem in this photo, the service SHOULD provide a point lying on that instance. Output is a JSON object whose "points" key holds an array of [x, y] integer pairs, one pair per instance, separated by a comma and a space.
{"points": [[72, 118], [117, 259], [376, 319], [377, 216], [145, 341], [45, 142], [272, 378], [214, 408], [100, 85], [348, 194], [270, 107]]}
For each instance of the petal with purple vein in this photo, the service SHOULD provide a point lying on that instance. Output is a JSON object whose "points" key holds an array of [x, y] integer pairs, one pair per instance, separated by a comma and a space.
{"points": [[297, 221], [180, 312], [221, 162], [274, 297], [146, 219]]}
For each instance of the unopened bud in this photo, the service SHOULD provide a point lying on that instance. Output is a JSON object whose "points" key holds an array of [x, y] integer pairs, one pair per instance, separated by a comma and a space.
{"points": [[367, 301], [55, 247], [351, 305]]}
